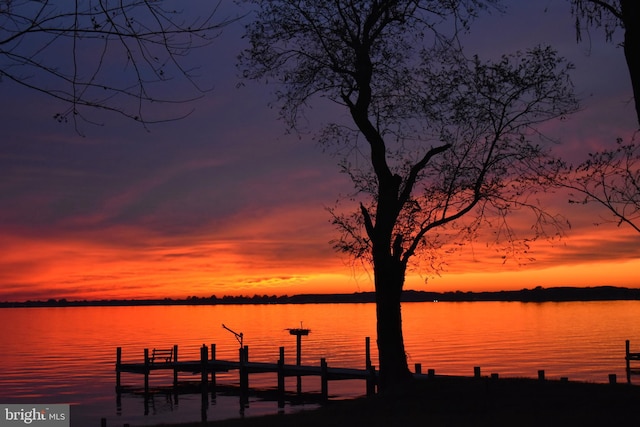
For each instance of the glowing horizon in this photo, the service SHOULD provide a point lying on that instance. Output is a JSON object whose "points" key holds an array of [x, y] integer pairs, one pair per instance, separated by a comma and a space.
{"points": [[77, 268]]}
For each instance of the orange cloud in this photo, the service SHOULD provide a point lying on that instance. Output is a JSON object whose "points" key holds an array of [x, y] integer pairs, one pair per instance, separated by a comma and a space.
{"points": [[282, 251]]}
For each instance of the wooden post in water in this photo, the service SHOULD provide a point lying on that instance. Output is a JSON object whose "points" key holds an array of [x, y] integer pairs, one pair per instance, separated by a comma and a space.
{"points": [[628, 362], [371, 381], [281, 390], [541, 374], [204, 361], [299, 362], [324, 380], [613, 379], [213, 369], [175, 367], [476, 372], [298, 349], [146, 371], [418, 368], [244, 378], [204, 377], [367, 352], [244, 375], [371, 378], [118, 362]]}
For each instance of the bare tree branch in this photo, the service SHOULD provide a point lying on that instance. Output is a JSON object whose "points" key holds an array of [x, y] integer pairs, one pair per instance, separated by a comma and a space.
{"points": [[103, 54], [610, 178]]}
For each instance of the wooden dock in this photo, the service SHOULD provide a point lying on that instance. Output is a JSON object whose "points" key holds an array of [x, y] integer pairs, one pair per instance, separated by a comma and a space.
{"points": [[631, 357], [208, 365]]}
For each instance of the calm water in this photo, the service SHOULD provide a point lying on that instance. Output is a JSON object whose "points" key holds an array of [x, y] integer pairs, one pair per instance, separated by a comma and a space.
{"points": [[67, 355]]}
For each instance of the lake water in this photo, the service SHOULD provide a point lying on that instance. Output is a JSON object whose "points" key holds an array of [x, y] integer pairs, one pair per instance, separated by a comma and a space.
{"points": [[67, 355]]}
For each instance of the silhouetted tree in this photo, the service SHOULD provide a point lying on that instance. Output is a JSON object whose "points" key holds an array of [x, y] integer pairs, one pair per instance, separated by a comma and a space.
{"points": [[612, 15], [101, 54], [445, 137], [610, 178]]}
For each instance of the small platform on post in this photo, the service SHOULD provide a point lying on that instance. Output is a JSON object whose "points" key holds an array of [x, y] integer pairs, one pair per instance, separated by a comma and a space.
{"points": [[299, 333]]}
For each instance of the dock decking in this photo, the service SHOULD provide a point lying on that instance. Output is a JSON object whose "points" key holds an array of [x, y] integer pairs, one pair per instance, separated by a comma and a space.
{"points": [[208, 365]]}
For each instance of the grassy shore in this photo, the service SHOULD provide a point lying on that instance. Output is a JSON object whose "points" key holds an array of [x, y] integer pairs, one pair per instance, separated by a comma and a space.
{"points": [[459, 401]]}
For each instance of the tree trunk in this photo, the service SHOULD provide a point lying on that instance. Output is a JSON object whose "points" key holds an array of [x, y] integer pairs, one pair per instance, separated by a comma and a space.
{"points": [[631, 19], [389, 280]]}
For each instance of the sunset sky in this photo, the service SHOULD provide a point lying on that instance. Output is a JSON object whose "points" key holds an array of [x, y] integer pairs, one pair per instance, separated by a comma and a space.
{"points": [[226, 202]]}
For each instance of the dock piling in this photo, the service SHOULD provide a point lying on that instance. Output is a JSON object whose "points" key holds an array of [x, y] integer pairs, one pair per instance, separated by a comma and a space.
{"points": [[244, 374], [204, 360], [628, 362], [281, 389], [213, 371], [371, 378], [324, 380], [146, 371], [371, 381], [175, 361], [367, 352], [118, 363], [629, 357]]}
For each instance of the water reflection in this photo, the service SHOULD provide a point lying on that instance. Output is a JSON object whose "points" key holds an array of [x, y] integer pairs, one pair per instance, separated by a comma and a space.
{"points": [[67, 355]]}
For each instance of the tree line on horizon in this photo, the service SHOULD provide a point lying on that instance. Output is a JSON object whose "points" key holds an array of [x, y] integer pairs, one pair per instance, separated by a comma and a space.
{"points": [[537, 294]]}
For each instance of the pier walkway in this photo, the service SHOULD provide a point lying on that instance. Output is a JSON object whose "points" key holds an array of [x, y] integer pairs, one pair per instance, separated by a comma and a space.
{"points": [[208, 365]]}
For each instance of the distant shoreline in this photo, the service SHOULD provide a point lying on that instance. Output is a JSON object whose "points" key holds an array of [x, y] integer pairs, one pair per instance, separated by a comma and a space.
{"points": [[538, 294]]}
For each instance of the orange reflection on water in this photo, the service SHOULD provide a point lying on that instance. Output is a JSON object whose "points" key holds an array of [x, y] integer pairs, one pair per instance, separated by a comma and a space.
{"points": [[580, 340], [68, 354]]}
